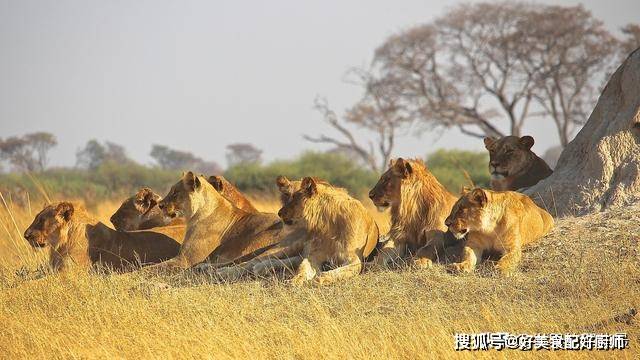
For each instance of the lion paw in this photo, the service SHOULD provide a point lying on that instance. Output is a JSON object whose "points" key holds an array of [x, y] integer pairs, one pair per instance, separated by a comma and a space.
{"points": [[423, 263]]}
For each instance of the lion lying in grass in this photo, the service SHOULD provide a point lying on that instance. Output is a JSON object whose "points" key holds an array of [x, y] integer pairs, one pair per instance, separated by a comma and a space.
{"points": [[141, 211], [501, 222], [419, 205], [340, 231], [217, 230], [76, 240]]}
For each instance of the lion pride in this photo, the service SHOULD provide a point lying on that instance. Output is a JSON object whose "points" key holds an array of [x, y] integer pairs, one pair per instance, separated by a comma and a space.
{"points": [[341, 232], [498, 222], [140, 212], [77, 240], [513, 165], [217, 230], [419, 205]]}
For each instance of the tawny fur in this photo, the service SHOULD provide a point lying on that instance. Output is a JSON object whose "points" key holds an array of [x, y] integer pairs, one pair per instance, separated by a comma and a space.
{"points": [[340, 231], [497, 222], [512, 164], [217, 231], [419, 205], [77, 240]]}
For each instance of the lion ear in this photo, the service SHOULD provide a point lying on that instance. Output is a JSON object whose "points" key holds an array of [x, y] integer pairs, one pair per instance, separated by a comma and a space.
{"points": [[65, 210], [464, 190], [283, 183], [146, 199], [217, 183], [191, 181], [403, 167], [309, 185], [479, 196], [527, 142], [488, 142]]}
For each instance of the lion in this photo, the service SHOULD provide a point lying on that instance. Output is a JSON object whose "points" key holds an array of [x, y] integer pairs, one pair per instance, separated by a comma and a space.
{"points": [[340, 231], [512, 164], [77, 240], [217, 230], [419, 205], [286, 254], [140, 212], [496, 221]]}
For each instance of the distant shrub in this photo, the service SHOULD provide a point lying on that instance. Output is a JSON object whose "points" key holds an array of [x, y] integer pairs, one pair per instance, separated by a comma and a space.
{"points": [[334, 168], [449, 166]]}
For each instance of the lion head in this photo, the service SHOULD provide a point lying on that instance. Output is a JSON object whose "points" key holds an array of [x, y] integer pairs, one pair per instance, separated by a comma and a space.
{"points": [[47, 225], [231, 193], [137, 212], [468, 213], [292, 211], [386, 192], [189, 195], [509, 156]]}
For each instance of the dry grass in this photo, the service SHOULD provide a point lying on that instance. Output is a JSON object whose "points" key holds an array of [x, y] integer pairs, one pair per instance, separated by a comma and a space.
{"points": [[586, 272]]}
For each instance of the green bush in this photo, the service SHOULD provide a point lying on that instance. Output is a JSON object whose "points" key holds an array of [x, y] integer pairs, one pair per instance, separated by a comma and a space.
{"points": [[334, 168], [449, 167]]}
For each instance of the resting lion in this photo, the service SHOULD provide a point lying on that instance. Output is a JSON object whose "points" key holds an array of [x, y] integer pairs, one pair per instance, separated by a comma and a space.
{"points": [[77, 240], [419, 205], [513, 165], [141, 211], [498, 222], [217, 230], [340, 232]]}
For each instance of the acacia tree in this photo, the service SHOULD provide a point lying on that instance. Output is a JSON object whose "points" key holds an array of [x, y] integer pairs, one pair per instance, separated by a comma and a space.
{"points": [[95, 154], [240, 153], [483, 66], [29, 152], [171, 159]]}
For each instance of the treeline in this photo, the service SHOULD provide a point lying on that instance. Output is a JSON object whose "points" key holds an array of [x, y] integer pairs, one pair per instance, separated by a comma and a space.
{"points": [[116, 179]]}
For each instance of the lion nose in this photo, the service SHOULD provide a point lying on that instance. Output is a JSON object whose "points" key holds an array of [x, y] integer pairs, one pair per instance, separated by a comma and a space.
{"points": [[27, 234], [161, 205], [448, 222], [280, 213], [371, 194], [493, 163]]}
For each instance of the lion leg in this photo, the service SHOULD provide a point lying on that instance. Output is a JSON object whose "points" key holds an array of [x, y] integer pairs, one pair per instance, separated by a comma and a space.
{"points": [[509, 261], [308, 269], [352, 268], [432, 251], [269, 266], [470, 257], [390, 253]]}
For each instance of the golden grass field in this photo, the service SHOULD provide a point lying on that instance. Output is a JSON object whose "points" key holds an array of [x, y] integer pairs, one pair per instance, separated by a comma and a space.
{"points": [[579, 279]]}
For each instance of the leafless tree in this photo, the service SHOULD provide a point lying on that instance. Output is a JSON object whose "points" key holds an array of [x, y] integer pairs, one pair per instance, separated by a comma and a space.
{"points": [[487, 68], [242, 153]]}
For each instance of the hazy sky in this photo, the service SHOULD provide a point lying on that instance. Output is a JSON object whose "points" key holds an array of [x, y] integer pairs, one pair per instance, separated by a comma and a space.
{"points": [[198, 75]]}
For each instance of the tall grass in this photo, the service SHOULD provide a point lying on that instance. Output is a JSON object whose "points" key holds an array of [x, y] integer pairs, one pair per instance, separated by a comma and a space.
{"points": [[575, 280]]}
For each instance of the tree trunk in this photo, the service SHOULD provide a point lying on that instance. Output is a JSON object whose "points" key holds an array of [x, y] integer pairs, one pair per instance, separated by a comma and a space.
{"points": [[600, 168]]}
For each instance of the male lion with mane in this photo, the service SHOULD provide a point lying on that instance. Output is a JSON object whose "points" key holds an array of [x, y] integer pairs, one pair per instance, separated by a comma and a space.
{"points": [[419, 205], [512, 164], [217, 230], [496, 221], [77, 240], [341, 232]]}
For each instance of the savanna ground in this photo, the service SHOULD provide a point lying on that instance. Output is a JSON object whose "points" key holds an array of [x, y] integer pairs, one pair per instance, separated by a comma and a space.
{"points": [[581, 278]]}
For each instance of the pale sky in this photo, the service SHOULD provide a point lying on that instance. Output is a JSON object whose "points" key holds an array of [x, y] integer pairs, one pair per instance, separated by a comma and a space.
{"points": [[198, 75]]}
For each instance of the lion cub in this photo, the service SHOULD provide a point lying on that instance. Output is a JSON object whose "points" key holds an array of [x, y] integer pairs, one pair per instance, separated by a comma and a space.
{"points": [[340, 231], [76, 240], [501, 222]]}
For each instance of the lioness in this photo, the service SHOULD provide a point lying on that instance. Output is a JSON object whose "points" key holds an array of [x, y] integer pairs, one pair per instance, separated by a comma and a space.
{"points": [[500, 222], [75, 239], [340, 231], [513, 165], [419, 205], [216, 229], [140, 212], [286, 254]]}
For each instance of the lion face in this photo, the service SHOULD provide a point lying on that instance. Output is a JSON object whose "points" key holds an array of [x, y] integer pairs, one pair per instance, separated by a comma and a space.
{"points": [[292, 211], [467, 213], [509, 156], [135, 210], [178, 202], [387, 191], [45, 228]]}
